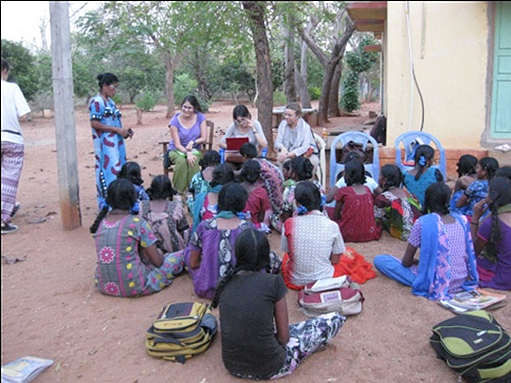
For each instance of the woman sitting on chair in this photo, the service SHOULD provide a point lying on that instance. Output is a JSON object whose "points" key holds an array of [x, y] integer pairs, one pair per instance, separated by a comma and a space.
{"points": [[188, 131]]}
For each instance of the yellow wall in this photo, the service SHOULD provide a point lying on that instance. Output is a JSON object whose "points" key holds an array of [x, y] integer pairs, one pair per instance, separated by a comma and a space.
{"points": [[450, 45]]}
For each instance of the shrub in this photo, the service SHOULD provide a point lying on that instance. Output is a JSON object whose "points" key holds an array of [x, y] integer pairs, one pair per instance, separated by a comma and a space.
{"points": [[314, 92], [279, 98], [146, 101]]}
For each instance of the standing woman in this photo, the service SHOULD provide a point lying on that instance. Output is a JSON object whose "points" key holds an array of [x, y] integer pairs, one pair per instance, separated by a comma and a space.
{"points": [[295, 137], [188, 131], [244, 126], [107, 134]]}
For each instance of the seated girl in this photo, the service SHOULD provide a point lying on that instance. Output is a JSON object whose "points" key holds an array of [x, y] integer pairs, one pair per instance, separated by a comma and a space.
{"points": [[211, 248], [128, 261], [205, 205], [166, 216], [200, 182], [422, 175], [257, 341], [132, 172], [286, 172], [478, 189], [395, 209], [447, 261], [302, 262], [466, 168], [354, 207], [493, 235], [258, 203]]}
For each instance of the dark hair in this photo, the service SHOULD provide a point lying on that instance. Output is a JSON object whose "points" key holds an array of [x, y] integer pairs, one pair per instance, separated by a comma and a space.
{"points": [[192, 100], [490, 165], [240, 111], [302, 168], [251, 171], [248, 150], [222, 174], [353, 155], [308, 195], [393, 176], [252, 251], [132, 172], [161, 188], [296, 107], [211, 158], [499, 194], [423, 155], [232, 197], [354, 173], [121, 194], [287, 165], [5, 65], [107, 79], [466, 165], [504, 171], [437, 198]]}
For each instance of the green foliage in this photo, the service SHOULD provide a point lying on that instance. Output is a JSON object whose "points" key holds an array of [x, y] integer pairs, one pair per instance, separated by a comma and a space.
{"points": [[22, 67], [279, 98], [314, 92], [184, 85], [232, 76], [349, 99], [146, 101]]}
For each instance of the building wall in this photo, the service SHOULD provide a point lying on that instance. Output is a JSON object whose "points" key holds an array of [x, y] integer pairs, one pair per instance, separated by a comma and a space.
{"points": [[450, 42]]}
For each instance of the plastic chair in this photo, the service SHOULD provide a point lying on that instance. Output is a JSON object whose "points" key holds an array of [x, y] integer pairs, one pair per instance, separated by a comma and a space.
{"points": [[321, 169], [362, 138], [408, 141]]}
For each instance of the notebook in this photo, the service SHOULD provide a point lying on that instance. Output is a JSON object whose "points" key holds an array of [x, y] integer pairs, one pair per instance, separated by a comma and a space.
{"points": [[235, 143]]}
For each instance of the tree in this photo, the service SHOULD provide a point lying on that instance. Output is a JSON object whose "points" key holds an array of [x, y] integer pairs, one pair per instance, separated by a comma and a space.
{"points": [[256, 13], [23, 68]]}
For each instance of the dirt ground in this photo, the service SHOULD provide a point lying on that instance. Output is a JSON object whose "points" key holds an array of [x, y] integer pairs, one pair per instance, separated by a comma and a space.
{"points": [[51, 309]]}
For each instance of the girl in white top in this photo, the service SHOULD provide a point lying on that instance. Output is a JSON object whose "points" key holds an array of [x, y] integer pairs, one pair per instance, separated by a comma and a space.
{"points": [[244, 126]]}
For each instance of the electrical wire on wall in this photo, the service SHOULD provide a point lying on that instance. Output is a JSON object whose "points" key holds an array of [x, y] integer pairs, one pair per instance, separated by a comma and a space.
{"points": [[412, 73]]}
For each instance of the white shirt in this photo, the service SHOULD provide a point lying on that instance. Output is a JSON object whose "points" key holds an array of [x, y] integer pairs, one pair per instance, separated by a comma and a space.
{"points": [[14, 106]]}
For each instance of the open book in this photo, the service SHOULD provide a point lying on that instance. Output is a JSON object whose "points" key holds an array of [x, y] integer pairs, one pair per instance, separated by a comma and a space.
{"points": [[24, 369], [478, 299]]}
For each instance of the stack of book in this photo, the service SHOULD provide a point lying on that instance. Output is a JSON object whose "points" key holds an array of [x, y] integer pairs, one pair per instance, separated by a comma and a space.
{"points": [[24, 370], [478, 299]]}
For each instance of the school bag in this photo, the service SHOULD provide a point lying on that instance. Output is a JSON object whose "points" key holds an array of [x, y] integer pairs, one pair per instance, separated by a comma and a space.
{"points": [[475, 346], [181, 330], [339, 294]]}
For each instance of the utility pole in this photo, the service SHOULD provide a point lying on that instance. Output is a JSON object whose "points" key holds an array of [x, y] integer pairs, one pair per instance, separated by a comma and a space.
{"points": [[65, 131]]}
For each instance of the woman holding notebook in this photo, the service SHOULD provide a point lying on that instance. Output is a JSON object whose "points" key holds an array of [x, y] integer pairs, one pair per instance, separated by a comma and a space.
{"points": [[244, 126]]}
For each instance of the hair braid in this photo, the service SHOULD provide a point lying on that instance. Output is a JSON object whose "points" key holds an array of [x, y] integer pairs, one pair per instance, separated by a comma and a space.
{"points": [[97, 221], [230, 272]]}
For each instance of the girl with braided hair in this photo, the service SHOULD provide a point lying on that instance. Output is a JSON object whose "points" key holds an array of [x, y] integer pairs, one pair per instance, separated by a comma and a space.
{"points": [[128, 261], [493, 235], [395, 209], [258, 203], [447, 262], [422, 175], [257, 340]]}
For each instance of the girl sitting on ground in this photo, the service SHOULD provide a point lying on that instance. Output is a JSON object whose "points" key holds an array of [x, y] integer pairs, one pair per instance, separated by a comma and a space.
{"points": [[205, 205], [466, 168], [478, 189], [201, 180], [286, 172], [128, 261], [258, 203], [422, 175], [354, 207], [447, 262], [395, 209], [132, 172], [257, 341], [493, 235], [303, 263], [166, 216]]}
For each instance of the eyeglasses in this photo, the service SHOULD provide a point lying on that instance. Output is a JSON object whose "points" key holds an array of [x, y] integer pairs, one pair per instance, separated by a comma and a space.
{"points": [[185, 107], [242, 119], [114, 87], [288, 115]]}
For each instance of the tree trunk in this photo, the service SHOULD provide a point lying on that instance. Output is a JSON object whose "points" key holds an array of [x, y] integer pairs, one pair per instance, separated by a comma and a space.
{"points": [[333, 100], [289, 80], [169, 83], [139, 116], [302, 91], [264, 103]]}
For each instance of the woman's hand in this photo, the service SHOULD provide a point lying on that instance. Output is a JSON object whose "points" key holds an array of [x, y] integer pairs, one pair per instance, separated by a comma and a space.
{"points": [[479, 210], [283, 155], [190, 158], [125, 132]]}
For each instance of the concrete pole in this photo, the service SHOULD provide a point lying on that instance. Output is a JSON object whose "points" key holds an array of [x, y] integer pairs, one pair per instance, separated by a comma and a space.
{"points": [[64, 115]]}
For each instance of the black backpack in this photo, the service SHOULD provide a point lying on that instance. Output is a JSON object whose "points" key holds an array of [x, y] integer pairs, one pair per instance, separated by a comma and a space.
{"points": [[475, 346]]}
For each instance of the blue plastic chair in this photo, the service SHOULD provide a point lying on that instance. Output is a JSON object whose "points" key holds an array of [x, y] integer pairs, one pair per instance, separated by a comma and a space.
{"points": [[409, 143], [362, 138]]}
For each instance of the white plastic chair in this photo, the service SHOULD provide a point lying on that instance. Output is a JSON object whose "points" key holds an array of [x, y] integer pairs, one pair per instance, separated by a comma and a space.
{"points": [[408, 142], [321, 169], [361, 138]]}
